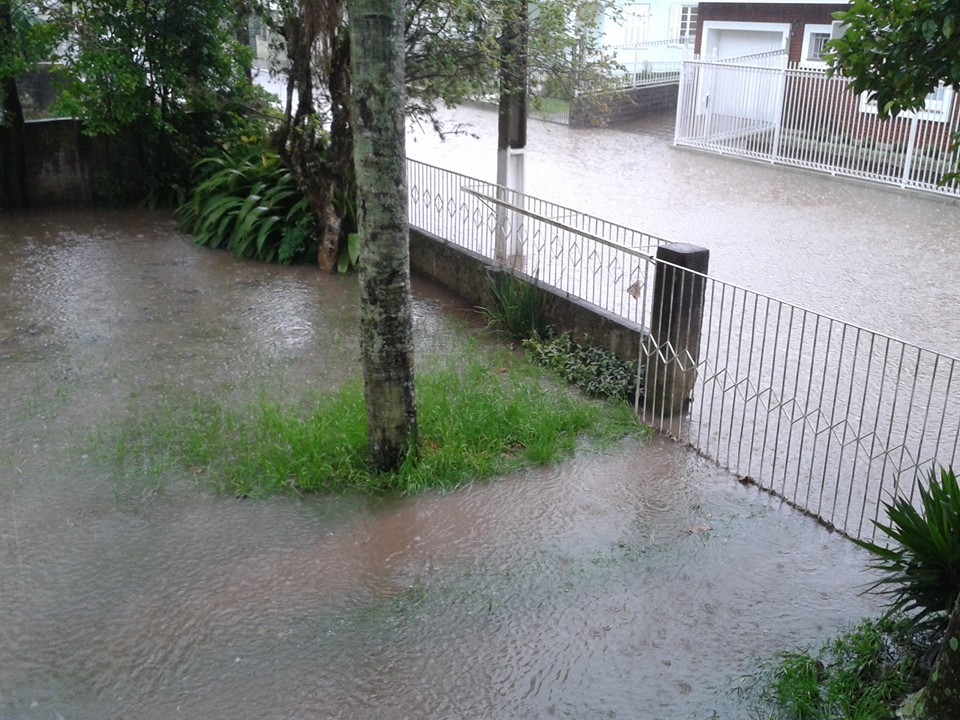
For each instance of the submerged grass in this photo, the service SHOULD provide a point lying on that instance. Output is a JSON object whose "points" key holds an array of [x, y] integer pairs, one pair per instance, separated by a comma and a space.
{"points": [[863, 674], [476, 420]]}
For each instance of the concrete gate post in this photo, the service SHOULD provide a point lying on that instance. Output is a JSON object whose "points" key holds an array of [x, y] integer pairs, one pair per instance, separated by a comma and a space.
{"points": [[677, 314]]}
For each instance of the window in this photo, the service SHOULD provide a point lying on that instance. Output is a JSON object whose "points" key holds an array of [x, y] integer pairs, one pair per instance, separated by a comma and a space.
{"points": [[817, 41], [683, 22], [815, 37], [936, 108], [688, 22]]}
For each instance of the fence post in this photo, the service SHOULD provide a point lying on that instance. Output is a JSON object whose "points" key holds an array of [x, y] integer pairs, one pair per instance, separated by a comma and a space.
{"points": [[676, 317]]}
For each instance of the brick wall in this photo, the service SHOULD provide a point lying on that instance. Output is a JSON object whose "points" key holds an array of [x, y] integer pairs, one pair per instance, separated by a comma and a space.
{"points": [[796, 15]]}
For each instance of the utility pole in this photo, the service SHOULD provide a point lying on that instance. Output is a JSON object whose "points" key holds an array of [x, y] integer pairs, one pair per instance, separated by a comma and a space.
{"points": [[512, 137]]}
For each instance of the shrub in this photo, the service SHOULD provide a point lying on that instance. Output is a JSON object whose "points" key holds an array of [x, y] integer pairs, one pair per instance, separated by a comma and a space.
{"points": [[862, 675], [247, 201], [921, 570], [518, 308], [596, 371]]}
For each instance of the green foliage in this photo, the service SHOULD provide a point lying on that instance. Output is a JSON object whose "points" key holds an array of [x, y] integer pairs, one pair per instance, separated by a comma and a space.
{"points": [[519, 312], [518, 309], [596, 371], [24, 41], [349, 253], [861, 675], [148, 62], [474, 421], [246, 201], [168, 72], [898, 51], [921, 570], [345, 204], [24, 38]]}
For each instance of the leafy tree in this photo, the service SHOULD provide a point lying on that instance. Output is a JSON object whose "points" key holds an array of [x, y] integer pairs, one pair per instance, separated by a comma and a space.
{"points": [[454, 50], [24, 41], [315, 139], [153, 66], [898, 51], [386, 315]]}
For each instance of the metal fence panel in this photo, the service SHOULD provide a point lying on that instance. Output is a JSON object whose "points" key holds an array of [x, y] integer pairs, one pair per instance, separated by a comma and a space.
{"points": [[801, 117], [597, 261], [651, 63], [834, 418]]}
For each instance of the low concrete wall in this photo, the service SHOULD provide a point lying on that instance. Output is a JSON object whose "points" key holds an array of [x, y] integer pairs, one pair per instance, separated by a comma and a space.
{"points": [[617, 108], [65, 167], [468, 275]]}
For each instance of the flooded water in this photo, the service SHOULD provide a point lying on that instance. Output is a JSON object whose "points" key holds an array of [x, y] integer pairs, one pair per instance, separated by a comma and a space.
{"points": [[637, 583], [872, 256]]}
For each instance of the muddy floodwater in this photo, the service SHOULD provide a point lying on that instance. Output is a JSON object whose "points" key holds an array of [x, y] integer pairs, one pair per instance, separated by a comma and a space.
{"points": [[640, 582]]}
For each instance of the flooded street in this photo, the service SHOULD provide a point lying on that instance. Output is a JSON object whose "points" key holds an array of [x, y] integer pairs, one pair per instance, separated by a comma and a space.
{"points": [[637, 583], [868, 255]]}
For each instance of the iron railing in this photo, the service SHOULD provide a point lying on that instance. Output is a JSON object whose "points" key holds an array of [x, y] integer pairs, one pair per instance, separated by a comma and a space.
{"points": [[834, 418], [801, 117], [597, 261], [651, 63]]}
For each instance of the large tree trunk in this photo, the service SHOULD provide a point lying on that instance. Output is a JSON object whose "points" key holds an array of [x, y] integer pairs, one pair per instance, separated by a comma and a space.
{"points": [[13, 157], [386, 319], [941, 696]]}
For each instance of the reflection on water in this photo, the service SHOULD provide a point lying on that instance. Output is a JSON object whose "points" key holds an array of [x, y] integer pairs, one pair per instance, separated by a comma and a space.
{"points": [[637, 583]]}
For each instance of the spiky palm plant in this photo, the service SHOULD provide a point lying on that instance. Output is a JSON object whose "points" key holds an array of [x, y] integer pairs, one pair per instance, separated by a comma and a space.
{"points": [[921, 568]]}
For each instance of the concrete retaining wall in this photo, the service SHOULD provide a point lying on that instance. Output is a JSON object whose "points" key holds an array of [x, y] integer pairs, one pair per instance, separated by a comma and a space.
{"points": [[468, 275], [65, 167]]}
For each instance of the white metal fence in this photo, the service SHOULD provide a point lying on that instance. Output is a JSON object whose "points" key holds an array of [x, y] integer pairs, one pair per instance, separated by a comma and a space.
{"points": [[600, 262], [832, 417], [652, 63], [800, 117]]}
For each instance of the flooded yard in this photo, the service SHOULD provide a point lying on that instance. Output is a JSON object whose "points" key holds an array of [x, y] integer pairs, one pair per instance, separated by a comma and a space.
{"points": [[640, 582]]}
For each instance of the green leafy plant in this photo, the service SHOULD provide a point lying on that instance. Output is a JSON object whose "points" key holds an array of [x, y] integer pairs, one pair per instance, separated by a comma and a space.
{"points": [[921, 569], [346, 205], [861, 675], [247, 201], [518, 308], [596, 371]]}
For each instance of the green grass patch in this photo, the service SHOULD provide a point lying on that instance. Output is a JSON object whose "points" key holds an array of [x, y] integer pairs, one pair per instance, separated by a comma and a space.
{"points": [[863, 674], [476, 420], [550, 106]]}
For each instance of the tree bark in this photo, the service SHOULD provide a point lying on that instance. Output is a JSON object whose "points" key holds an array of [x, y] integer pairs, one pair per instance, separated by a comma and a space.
{"points": [[13, 156], [321, 162], [941, 696], [386, 317]]}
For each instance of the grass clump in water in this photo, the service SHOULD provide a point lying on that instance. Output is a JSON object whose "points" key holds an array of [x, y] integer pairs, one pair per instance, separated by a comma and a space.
{"points": [[861, 675], [474, 422]]}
